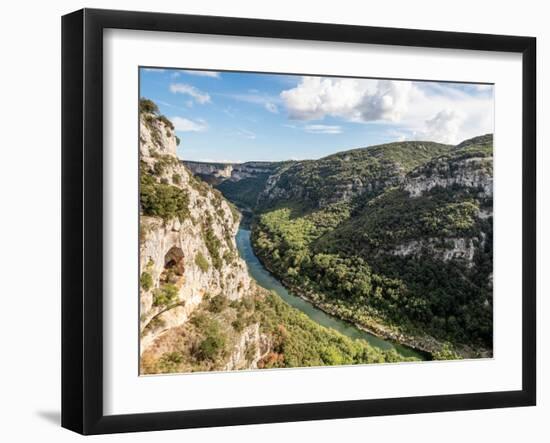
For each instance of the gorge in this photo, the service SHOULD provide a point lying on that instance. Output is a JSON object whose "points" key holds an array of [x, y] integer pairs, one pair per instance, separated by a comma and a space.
{"points": [[199, 308], [394, 238], [377, 254]]}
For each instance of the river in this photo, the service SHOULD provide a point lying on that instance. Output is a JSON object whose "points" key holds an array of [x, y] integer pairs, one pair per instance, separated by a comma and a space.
{"points": [[268, 281]]}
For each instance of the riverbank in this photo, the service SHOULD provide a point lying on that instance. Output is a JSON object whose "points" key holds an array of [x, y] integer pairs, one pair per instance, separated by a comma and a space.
{"points": [[421, 346], [420, 343], [320, 315]]}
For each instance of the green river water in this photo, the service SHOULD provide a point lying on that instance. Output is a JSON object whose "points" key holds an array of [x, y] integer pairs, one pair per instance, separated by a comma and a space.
{"points": [[268, 281]]}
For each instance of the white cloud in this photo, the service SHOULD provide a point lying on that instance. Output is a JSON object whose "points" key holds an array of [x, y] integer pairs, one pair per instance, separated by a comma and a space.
{"points": [[323, 129], [198, 96], [271, 107], [443, 127], [211, 74], [353, 99], [428, 110], [185, 125], [153, 70], [449, 118]]}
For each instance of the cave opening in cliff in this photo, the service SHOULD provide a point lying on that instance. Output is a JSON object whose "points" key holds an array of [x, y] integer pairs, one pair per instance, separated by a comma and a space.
{"points": [[174, 266]]}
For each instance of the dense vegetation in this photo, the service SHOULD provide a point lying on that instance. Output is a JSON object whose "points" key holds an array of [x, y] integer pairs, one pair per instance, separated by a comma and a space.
{"points": [[337, 245], [160, 199], [294, 340], [301, 342]]}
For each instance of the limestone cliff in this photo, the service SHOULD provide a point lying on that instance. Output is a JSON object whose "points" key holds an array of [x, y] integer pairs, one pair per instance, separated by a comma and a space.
{"points": [[230, 171], [187, 246], [466, 169]]}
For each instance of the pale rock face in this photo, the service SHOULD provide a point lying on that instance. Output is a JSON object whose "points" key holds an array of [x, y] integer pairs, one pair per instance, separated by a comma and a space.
{"points": [[222, 170], [230, 171], [164, 136], [474, 173], [469, 173], [250, 349], [175, 244], [453, 248]]}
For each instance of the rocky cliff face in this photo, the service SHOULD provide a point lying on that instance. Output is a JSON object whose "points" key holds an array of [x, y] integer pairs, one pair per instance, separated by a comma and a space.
{"points": [[219, 170], [466, 170], [447, 250], [475, 172], [186, 257], [249, 349], [231, 171]]}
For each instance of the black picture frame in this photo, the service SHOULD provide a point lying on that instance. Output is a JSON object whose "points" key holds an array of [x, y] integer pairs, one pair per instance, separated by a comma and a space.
{"points": [[82, 218]]}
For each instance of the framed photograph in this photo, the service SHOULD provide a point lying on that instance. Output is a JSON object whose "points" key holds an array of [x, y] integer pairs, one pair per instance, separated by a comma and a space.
{"points": [[269, 221]]}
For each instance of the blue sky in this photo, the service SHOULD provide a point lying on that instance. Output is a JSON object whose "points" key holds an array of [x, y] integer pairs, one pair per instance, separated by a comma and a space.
{"points": [[236, 117]]}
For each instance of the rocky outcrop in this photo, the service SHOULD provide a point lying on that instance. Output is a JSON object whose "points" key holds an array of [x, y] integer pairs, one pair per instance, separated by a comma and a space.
{"points": [[219, 170], [231, 171], [249, 350], [444, 250], [188, 257], [467, 165], [470, 173]]}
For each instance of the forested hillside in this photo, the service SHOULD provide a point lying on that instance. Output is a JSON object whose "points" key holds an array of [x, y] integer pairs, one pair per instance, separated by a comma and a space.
{"points": [[397, 238]]}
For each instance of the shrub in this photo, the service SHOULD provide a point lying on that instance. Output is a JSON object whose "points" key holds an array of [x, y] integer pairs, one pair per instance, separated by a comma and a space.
{"points": [[176, 178], [218, 304], [445, 353], [177, 141], [229, 256], [146, 281], [212, 345], [147, 106], [213, 244], [238, 324], [159, 168], [170, 361], [162, 200], [168, 123], [201, 262], [165, 295]]}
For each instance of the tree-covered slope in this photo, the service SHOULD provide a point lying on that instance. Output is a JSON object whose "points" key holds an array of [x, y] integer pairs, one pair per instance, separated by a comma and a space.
{"points": [[341, 177], [396, 237]]}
